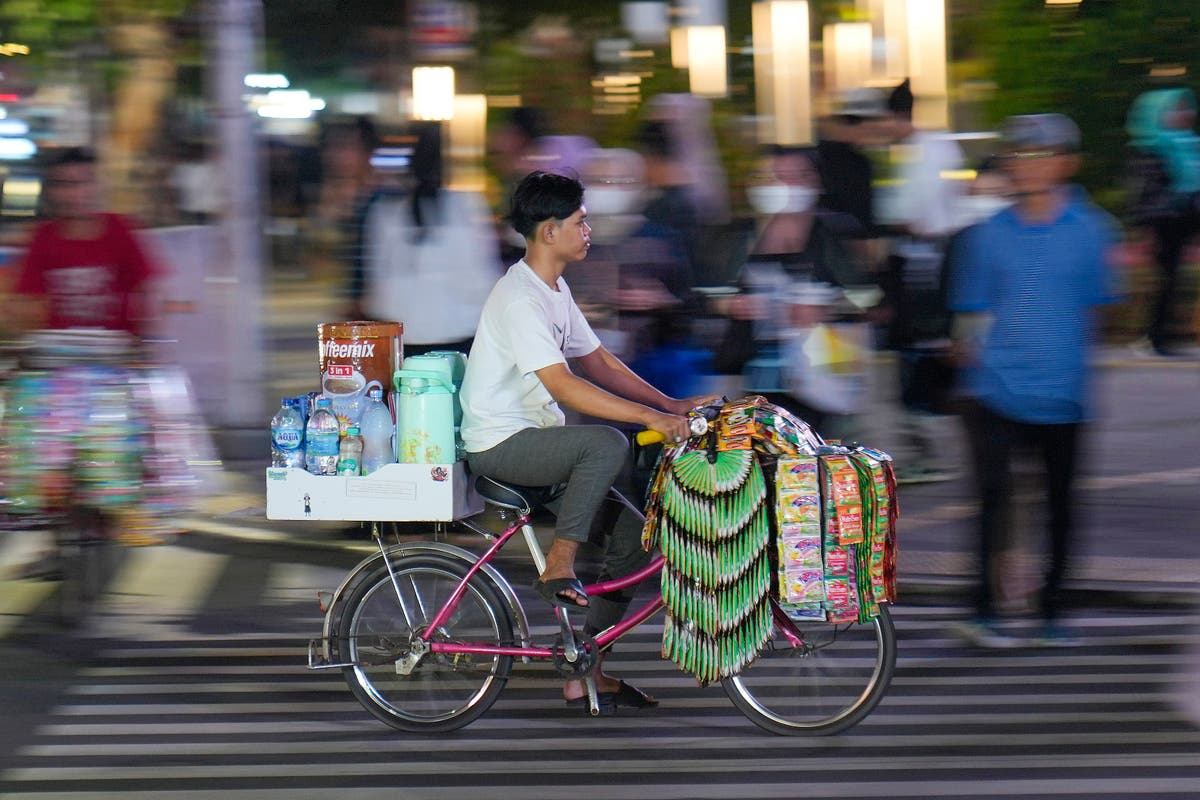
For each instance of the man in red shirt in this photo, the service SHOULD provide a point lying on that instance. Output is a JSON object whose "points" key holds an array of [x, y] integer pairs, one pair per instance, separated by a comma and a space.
{"points": [[85, 266]]}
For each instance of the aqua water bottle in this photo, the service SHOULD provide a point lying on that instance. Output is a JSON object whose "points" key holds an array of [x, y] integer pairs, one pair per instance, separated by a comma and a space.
{"points": [[321, 440]]}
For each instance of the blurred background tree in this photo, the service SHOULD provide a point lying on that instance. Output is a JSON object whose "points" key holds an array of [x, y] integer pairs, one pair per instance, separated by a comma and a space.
{"points": [[124, 53], [1088, 60]]}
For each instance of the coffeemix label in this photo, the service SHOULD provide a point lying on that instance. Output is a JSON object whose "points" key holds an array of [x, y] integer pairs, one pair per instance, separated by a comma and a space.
{"points": [[355, 358]]}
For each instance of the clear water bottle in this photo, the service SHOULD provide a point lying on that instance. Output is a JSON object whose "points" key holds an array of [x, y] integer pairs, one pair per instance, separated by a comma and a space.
{"points": [[287, 435], [350, 453], [321, 440], [377, 431]]}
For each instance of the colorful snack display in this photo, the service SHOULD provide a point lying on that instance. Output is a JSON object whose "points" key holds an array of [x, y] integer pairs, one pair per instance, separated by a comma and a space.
{"points": [[718, 501]]}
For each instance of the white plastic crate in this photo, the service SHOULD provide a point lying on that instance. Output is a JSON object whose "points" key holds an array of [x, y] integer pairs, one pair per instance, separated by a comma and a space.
{"points": [[394, 492]]}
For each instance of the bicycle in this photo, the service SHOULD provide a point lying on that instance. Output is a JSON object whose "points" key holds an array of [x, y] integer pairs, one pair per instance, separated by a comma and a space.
{"points": [[69, 497], [426, 634]]}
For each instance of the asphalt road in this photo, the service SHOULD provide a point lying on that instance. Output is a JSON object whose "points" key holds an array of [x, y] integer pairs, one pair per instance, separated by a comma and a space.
{"points": [[190, 683]]}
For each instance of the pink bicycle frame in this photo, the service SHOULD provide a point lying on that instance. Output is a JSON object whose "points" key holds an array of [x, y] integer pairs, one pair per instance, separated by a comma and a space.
{"points": [[602, 639]]}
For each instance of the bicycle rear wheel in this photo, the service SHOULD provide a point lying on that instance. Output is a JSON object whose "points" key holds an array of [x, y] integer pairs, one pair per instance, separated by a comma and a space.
{"points": [[829, 683], [380, 622]]}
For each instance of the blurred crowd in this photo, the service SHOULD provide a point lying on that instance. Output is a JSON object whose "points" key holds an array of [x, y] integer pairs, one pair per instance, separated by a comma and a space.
{"points": [[983, 275], [782, 279]]}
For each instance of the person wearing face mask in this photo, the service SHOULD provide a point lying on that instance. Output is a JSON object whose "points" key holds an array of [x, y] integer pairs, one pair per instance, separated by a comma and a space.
{"points": [[636, 287], [797, 267]]}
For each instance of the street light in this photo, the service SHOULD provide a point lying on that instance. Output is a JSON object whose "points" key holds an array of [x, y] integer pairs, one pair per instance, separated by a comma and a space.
{"points": [[433, 93], [927, 60], [707, 74], [782, 73], [847, 55]]}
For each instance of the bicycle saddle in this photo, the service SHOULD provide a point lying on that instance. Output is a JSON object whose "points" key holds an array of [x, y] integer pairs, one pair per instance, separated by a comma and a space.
{"points": [[523, 499]]}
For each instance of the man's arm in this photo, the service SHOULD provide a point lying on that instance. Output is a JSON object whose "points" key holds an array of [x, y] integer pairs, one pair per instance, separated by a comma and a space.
{"points": [[583, 396]]}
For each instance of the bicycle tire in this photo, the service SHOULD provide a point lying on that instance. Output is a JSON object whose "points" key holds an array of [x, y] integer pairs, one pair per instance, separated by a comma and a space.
{"points": [[829, 684], [441, 694]]}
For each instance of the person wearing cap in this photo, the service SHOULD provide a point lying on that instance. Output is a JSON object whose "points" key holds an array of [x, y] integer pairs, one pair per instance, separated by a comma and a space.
{"points": [[1163, 192], [1025, 293], [846, 170]]}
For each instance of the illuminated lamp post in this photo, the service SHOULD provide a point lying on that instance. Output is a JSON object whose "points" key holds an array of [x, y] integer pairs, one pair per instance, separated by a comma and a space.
{"points": [[927, 62], [433, 93], [467, 134], [847, 48], [782, 73], [707, 62]]}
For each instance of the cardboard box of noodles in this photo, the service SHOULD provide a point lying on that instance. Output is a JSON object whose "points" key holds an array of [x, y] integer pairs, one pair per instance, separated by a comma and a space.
{"points": [[393, 493]]}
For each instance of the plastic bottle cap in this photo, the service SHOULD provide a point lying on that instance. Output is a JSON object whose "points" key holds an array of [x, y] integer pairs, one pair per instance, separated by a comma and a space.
{"points": [[352, 430], [324, 402], [376, 394]]}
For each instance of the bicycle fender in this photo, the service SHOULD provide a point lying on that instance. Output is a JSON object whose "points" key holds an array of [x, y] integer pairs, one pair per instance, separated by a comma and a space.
{"points": [[443, 549]]}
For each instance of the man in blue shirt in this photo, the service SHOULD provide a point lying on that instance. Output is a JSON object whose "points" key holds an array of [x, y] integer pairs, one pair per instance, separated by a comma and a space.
{"points": [[1024, 293]]}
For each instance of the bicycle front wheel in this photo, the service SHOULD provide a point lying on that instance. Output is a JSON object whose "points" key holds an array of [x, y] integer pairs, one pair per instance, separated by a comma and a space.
{"points": [[829, 682], [383, 619]]}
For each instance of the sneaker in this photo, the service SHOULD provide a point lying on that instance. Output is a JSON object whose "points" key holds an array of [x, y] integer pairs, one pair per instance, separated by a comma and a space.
{"points": [[985, 632], [1054, 635], [1144, 348], [1141, 348]]}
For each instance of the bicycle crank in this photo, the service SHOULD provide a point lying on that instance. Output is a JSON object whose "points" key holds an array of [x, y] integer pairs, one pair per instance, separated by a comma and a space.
{"points": [[587, 655]]}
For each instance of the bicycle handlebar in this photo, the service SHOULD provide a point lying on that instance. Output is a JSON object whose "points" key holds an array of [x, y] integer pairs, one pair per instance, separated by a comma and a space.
{"points": [[698, 421]]}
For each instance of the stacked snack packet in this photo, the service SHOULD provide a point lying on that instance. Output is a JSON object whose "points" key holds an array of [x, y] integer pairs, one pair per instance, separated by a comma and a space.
{"points": [[719, 499]]}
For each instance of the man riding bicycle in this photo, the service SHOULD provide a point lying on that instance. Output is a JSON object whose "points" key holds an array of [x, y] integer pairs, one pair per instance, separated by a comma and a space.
{"points": [[514, 429]]}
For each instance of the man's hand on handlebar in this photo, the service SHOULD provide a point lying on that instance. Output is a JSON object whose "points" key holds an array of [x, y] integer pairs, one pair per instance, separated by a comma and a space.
{"points": [[672, 427]]}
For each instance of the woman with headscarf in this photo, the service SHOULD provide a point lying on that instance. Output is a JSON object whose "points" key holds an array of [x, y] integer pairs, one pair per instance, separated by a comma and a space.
{"points": [[1164, 185]]}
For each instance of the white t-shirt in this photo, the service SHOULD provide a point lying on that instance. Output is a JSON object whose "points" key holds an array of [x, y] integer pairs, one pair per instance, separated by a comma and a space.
{"points": [[525, 326]]}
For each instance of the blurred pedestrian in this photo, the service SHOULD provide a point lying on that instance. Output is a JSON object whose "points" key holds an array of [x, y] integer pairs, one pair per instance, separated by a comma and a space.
{"points": [[669, 209], [83, 267], [197, 185], [640, 261], [349, 185], [922, 209], [86, 290], [687, 126], [526, 142], [1025, 295], [791, 332], [429, 254], [1163, 191], [847, 173]]}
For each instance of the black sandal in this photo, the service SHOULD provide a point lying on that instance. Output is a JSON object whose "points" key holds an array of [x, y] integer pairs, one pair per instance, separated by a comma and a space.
{"points": [[552, 591]]}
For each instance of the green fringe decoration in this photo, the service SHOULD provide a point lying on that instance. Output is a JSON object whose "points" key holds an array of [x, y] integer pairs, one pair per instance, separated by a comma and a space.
{"points": [[713, 526]]}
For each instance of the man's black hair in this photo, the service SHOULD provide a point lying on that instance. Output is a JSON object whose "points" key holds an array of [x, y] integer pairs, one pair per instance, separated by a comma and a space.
{"points": [[541, 196]]}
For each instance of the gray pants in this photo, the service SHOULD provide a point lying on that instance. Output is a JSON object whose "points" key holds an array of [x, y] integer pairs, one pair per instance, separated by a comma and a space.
{"points": [[588, 459]]}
